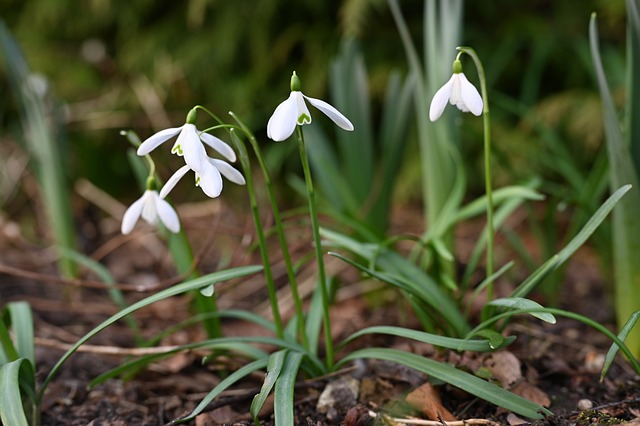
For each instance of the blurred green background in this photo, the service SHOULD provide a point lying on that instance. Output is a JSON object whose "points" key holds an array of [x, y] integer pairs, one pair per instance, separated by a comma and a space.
{"points": [[142, 64]]}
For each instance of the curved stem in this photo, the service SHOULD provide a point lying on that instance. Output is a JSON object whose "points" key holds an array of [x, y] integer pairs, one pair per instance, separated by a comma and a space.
{"points": [[280, 231], [264, 252], [318, 247], [486, 122]]}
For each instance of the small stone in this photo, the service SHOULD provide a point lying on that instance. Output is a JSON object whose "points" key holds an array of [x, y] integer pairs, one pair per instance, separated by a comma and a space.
{"points": [[338, 396], [585, 404]]}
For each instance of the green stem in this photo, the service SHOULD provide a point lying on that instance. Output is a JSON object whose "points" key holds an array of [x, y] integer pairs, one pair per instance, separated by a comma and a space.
{"points": [[280, 231], [486, 122], [318, 247], [264, 252]]}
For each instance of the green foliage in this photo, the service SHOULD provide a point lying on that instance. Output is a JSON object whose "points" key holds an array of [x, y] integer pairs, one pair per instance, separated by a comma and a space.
{"points": [[623, 148]]}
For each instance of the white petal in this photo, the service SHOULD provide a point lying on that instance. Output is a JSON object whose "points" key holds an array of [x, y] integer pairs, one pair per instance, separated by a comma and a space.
{"points": [[173, 180], [152, 142], [440, 99], [456, 94], [193, 150], [132, 215], [283, 121], [328, 110], [149, 210], [219, 145], [209, 180], [303, 115], [470, 96], [167, 215], [228, 171]]}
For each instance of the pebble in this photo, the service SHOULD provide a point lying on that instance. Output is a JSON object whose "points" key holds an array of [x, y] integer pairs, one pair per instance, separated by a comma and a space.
{"points": [[585, 404]]}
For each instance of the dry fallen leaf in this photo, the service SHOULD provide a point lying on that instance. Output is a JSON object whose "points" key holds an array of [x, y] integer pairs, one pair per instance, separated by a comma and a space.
{"points": [[532, 393], [505, 367], [427, 399]]}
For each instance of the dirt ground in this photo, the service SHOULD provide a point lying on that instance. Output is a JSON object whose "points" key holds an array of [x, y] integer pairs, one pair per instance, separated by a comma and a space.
{"points": [[555, 365]]}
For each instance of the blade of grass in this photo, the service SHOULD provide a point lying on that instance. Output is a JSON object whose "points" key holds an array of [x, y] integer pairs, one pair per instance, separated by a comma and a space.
{"points": [[449, 374], [194, 284], [624, 333], [576, 242], [12, 410], [626, 226], [285, 387], [434, 339], [22, 325], [274, 367], [233, 378]]}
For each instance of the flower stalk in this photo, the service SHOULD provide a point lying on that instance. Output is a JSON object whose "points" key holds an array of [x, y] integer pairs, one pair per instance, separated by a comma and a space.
{"points": [[486, 122], [317, 246]]}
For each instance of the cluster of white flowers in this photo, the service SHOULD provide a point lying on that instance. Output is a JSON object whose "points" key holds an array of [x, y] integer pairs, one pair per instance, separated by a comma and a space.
{"points": [[293, 111], [208, 171]]}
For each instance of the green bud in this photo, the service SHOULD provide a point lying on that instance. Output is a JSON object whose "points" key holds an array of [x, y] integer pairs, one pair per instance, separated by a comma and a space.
{"points": [[457, 66], [191, 117], [295, 83], [152, 185]]}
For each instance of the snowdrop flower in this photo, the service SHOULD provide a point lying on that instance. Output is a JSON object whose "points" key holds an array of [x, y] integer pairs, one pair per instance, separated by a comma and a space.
{"points": [[189, 143], [209, 178], [457, 91], [152, 207], [294, 111]]}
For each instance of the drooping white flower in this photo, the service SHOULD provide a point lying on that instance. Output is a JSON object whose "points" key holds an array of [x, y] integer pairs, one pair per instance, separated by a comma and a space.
{"points": [[153, 208], [209, 178], [457, 91], [293, 111], [189, 143]]}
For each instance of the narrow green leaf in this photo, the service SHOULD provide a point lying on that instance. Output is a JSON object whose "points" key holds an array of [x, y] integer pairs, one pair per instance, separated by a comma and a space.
{"points": [[284, 391], [224, 343], [22, 325], [522, 303], [434, 339], [576, 242], [11, 405], [449, 374], [231, 379], [274, 367], [623, 163], [194, 284], [613, 350]]}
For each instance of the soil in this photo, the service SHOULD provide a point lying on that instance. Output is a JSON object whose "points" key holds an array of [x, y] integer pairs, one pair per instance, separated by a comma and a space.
{"points": [[555, 365]]}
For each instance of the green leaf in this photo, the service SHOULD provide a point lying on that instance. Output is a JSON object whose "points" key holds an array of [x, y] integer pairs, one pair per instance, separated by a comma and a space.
{"points": [[434, 339], [495, 339], [22, 325], [624, 158], [224, 343], [449, 374], [194, 284], [234, 377], [522, 303], [11, 406], [285, 387], [576, 242], [624, 333], [274, 367]]}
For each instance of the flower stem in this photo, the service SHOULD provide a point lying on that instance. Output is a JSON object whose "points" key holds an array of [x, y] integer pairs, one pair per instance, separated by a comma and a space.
{"points": [[264, 253], [280, 231], [486, 122], [318, 247]]}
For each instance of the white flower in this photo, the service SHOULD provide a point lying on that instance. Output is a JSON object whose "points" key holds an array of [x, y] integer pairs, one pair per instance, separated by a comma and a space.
{"points": [[209, 178], [189, 144], [151, 207], [459, 92], [294, 111]]}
